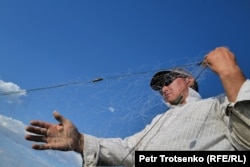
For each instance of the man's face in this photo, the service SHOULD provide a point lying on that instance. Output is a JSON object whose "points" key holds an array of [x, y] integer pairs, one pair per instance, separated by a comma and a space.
{"points": [[177, 88]]}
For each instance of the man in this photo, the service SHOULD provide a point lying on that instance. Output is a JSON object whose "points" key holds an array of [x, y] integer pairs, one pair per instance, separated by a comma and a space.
{"points": [[191, 123]]}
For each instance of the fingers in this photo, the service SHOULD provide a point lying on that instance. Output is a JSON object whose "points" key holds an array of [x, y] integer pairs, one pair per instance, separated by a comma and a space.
{"points": [[41, 128], [41, 147], [219, 58], [36, 130], [219, 52], [36, 138], [204, 63], [59, 117], [49, 147], [41, 124]]}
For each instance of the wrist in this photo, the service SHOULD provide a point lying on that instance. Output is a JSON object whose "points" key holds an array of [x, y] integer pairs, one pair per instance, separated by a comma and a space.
{"points": [[230, 73], [232, 81], [80, 144]]}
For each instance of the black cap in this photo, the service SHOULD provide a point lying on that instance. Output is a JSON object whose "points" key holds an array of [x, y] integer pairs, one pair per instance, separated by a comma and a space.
{"points": [[160, 78]]}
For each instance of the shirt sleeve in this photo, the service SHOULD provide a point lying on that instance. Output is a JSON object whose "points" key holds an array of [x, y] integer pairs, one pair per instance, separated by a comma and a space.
{"points": [[109, 151], [244, 93], [240, 118], [112, 151], [90, 150]]}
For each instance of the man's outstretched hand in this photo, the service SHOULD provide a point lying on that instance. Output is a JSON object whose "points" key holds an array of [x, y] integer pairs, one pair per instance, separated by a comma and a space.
{"points": [[63, 136]]}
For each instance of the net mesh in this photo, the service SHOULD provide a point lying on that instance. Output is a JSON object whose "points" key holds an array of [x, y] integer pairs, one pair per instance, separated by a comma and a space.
{"points": [[114, 105]]}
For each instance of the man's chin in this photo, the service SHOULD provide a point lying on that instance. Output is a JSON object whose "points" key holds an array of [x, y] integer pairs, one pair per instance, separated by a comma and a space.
{"points": [[176, 101]]}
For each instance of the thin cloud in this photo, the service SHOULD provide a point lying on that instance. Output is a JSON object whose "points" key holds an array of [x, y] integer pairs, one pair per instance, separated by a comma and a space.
{"points": [[12, 89], [11, 124], [111, 109]]}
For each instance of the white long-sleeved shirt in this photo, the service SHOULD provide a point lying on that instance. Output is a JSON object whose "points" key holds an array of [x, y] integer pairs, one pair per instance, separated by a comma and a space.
{"points": [[200, 124]]}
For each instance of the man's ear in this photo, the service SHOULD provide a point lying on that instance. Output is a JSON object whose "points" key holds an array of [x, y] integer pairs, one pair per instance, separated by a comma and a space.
{"points": [[190, 81]]}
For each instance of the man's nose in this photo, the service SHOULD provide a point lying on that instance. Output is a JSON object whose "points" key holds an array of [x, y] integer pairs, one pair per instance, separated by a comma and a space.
{"points": [[164, 90]]}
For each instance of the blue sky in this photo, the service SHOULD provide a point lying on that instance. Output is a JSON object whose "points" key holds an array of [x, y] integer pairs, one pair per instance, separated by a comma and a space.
{"points": [[46, 43]]}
